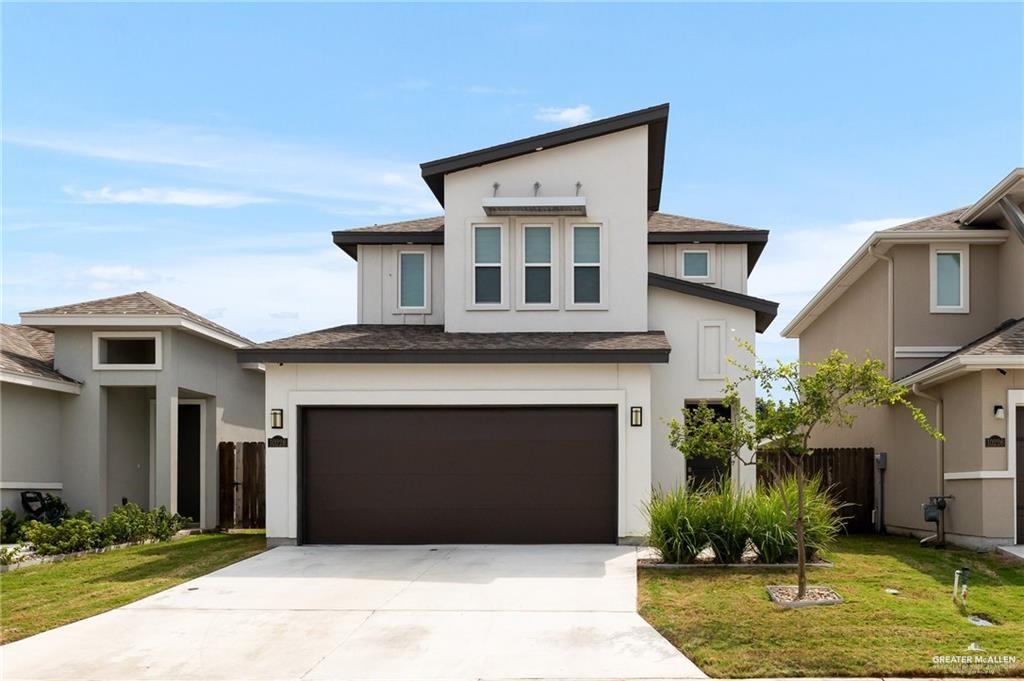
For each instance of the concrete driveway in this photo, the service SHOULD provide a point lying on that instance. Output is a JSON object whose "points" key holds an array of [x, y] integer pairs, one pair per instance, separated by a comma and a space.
{"points": [[345, 612]]}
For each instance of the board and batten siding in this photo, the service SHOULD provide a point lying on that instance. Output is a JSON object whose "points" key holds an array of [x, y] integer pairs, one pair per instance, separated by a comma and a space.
{"points": [[730, 262], [378, 285]]}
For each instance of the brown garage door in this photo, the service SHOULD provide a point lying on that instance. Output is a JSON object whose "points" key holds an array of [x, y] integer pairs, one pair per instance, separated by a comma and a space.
{"points": [[418, 475]]}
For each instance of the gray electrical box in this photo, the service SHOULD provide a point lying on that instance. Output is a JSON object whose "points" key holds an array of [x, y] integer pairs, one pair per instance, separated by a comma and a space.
{"points": [[881, 460]]}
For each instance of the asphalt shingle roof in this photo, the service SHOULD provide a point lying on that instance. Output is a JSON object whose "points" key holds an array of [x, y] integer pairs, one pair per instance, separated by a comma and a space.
{"points": [[140, 303], [28, 351], [372, 340], [942, 222], [1005, 340]]}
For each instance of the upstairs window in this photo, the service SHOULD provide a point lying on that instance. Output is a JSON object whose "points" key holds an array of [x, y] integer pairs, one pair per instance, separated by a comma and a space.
{"points": [[697, 263], [126, 350], [950, 277], [586, 264], [537, 265], [487, 265], [412, 281]]}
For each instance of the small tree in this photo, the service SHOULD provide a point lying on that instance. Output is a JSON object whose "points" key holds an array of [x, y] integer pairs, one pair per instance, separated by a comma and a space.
{"points": [[825, 394]]}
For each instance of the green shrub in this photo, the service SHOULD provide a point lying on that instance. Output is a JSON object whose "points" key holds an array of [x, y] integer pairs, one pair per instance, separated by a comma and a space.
{"points": [[126, 524], [10, 555], [773, 519], [677, 524], [726, 525], [74, 534], [10, 527], [163, 524]]}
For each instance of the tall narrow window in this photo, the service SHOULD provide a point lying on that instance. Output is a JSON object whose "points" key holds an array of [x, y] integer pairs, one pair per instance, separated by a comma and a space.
{"points": [[947, 279], [586, 264], [950, 279], [487, 264], [537, 264], [412, 280]]}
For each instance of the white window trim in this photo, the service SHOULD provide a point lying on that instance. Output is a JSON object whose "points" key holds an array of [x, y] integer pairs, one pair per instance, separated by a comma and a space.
{"points": [[422, 309], [520, 237], [471, 303], [965, 278], [570, 267], [711, 250], [156, 336], [702, 349]]}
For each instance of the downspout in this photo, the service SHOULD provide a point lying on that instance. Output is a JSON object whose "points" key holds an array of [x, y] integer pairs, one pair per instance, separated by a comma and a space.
{"points": [[940, 456], [890, 322]]}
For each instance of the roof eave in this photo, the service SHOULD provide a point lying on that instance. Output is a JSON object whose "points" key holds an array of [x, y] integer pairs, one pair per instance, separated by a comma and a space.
{"points": [[350, 240], [48, 322], [656, 117], [992, 195], [332, 356], [959, 365], [42, 382], [765, 311], [755, 239]]}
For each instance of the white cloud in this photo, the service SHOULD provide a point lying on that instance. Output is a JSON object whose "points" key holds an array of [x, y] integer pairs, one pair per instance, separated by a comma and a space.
{"points": [[167, 196], [573, 115], [251, 165]]}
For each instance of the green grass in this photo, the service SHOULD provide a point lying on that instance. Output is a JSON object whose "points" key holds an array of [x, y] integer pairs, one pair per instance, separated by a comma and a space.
{"points": [[34, 599], [723, 621]]}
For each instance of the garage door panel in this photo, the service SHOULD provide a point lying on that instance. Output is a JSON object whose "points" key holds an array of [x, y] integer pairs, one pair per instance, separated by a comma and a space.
{"points": [[459, 474]]}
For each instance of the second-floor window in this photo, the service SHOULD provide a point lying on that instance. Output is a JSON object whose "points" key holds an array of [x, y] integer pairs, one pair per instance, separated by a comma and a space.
{"points": [[487, 264], [950, 278], [537, 265], [697, 263], [586, 264], [412, 280]]}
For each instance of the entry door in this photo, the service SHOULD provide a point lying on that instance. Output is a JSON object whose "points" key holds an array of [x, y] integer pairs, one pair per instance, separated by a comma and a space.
{"points": [[446, 475], [189, 434], [1020, 475]]}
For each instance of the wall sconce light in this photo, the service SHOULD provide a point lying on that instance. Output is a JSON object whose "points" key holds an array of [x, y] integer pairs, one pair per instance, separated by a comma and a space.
{"points": [[999, 411], [636, 416], [277, 418]]}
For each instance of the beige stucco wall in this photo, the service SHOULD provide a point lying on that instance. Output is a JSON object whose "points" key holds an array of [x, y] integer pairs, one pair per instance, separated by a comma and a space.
{"points": [[730, 263], [1011, 279], [378, 286], [612, 170], [127, 447], [293, 385], [677, 382]]}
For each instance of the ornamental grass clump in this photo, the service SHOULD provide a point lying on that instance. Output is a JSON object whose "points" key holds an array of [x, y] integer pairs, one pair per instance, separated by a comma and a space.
{"points": [[726, 512], [677, 524], [772, 533]]}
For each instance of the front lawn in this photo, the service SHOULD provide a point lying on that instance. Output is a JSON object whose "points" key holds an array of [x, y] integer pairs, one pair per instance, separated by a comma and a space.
{"points": [[723, 621], [41, 597]]}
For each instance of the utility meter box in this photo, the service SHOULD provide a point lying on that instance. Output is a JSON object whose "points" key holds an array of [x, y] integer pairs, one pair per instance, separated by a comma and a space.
{"points": [[881, 459]]}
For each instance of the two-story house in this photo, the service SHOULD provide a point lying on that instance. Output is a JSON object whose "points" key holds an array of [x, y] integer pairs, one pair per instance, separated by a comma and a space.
{"points": [[516, 359], [123, 399], [941, 301]]}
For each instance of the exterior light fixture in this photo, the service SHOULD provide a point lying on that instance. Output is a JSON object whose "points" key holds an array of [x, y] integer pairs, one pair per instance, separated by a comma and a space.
{"points": [[277, 418], [636, 416], [999, 411]]}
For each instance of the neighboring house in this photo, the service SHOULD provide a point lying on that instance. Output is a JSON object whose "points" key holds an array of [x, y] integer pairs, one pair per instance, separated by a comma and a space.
{"points": [[516, 360], [123, 399], [941, 301]]}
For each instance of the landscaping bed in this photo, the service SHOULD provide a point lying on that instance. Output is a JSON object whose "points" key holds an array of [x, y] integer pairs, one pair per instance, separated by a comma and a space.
{"points": [[726, 623], [45, 596]]}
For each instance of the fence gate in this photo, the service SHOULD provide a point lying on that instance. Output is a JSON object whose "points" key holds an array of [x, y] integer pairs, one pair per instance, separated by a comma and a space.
{"points": [[242, 490], [849, 472]]}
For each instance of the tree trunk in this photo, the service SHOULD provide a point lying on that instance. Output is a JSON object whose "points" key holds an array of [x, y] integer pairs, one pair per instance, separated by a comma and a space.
{"points": [[801, 545]]}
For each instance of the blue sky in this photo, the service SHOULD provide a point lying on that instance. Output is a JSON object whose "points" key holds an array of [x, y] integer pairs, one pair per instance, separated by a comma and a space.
{"points": [[205, 152]]}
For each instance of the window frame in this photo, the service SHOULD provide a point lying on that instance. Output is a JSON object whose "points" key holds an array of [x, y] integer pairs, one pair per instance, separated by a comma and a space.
{"points": [[471, 264], [99, 336], [712, 252], [427, 253], [964, 251], [522, 225], [570, 268]]}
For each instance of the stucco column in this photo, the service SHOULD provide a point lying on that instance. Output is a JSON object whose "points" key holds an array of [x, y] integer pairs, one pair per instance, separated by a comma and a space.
{"points": [[165, 473], [84, 444]]}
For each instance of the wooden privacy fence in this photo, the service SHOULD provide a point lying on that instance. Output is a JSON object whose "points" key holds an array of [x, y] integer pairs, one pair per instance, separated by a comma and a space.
{"points": [[243, 490], [849, 472]]}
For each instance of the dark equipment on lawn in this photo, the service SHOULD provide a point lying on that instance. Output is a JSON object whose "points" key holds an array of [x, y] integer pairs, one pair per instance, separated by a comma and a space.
{"points": [[933, 513]]}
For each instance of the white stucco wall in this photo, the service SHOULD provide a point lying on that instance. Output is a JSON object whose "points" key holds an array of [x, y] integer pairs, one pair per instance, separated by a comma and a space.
{"points": [[612, 170], [675, 383], [625, 385]]}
